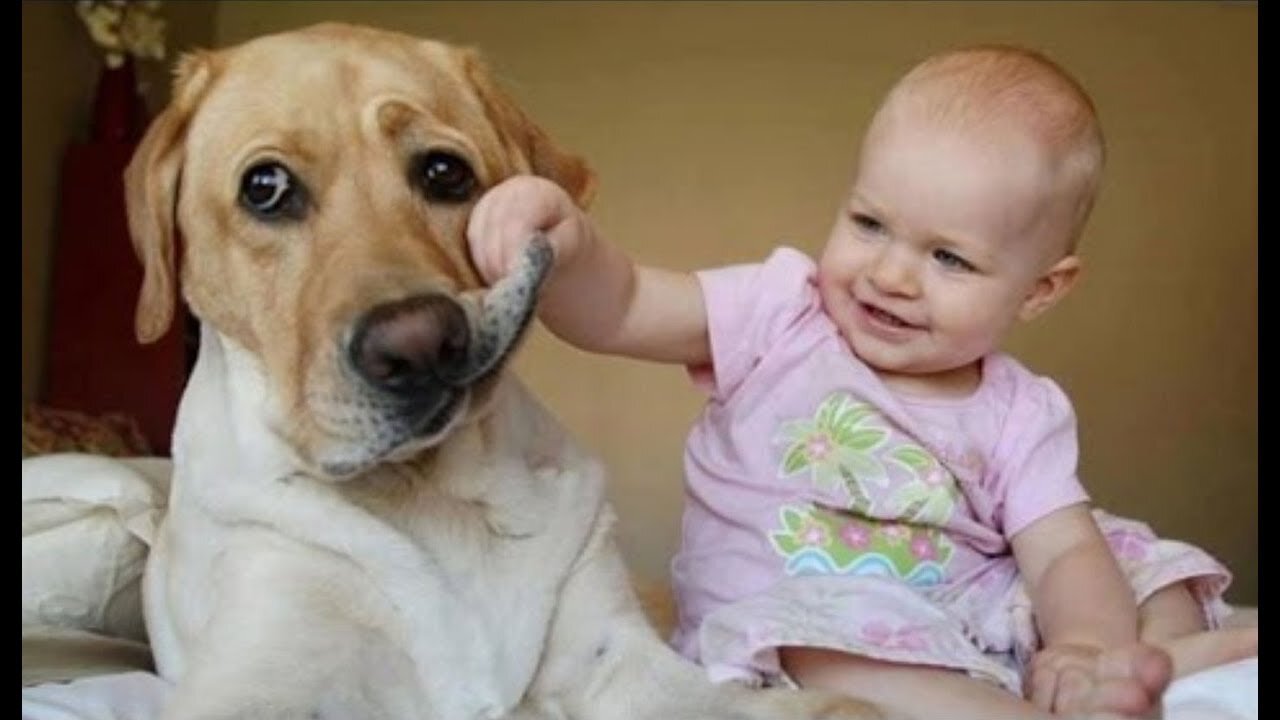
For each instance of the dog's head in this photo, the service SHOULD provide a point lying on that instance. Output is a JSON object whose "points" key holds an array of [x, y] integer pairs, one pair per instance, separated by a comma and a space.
{"points": [[321, 181]]}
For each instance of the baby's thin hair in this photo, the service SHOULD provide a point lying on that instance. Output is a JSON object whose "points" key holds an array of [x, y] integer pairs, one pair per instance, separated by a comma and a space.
{"points": [[999, 84]]}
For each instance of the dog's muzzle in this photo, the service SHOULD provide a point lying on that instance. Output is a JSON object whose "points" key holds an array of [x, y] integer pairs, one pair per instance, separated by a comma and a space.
{"points": [[420, 354]]}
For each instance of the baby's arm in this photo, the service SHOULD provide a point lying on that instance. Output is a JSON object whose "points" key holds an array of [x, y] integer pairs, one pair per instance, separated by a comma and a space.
{"points": [[596, 297], [1082, 602]]}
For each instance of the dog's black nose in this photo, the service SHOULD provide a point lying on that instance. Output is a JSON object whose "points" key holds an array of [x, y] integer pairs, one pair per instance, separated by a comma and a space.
{"points": [[408, 345]]}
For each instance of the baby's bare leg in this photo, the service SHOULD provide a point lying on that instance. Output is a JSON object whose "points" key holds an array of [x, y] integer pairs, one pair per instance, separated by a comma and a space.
{"points": [[1172, 619], [1209, 648], [915, 690], [1169, 612], [929, 693]]}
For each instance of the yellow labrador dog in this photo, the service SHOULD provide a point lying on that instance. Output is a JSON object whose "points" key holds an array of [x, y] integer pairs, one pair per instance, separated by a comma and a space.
{"points": [[369, 517]]}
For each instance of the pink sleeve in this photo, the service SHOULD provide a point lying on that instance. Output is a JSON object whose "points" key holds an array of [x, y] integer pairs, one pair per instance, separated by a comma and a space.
{"points": [[748, 307], [1039, 464]]}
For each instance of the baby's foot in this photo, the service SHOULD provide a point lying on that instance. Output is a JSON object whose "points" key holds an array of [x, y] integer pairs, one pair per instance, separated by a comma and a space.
{"points": [[1130, 682], [1203, 650]]}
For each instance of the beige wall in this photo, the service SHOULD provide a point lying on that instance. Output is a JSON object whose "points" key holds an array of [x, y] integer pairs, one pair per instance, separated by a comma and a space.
{"points": [[59, 74], [720, 129]]}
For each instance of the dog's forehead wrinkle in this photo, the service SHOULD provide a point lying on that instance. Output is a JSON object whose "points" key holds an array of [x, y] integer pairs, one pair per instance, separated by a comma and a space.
{"points": [[266, 102], [389, 115]]}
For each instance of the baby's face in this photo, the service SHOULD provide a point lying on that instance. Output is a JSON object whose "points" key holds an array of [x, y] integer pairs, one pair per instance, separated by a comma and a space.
{"points": [[940, 243]]}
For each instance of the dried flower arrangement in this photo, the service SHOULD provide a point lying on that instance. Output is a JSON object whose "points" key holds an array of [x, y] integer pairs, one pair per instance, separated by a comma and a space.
{"points": [[123, 28]]}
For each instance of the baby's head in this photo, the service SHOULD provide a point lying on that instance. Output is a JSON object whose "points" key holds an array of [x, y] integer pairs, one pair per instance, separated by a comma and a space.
{"points": [[975, 180], [1012, 96]]}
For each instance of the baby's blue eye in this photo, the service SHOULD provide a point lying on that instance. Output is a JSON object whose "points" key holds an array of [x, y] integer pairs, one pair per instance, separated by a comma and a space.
{"points": [[953, 261]]}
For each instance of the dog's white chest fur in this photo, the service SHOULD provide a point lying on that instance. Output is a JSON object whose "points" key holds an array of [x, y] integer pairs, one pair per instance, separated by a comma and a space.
{"points": [[448, 567]]}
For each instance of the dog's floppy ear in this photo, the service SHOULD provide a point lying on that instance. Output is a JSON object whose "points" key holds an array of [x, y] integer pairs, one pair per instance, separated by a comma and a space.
{"points": [[151, 195], [519, 131]]}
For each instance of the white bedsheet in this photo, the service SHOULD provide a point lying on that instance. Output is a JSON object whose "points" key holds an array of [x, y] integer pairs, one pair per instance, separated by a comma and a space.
{"points": [[72, 502], [120, 696], [1229, 692]]}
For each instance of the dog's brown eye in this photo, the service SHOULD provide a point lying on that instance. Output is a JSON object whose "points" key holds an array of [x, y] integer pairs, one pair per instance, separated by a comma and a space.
{"points": [[270, 191], [443, 176]]}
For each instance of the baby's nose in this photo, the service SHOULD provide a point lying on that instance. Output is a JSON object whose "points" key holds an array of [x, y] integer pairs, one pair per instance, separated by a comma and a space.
{"points": [[896, 272]]}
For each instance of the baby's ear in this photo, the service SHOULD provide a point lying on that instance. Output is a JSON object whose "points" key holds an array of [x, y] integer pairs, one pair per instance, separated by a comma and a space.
{"points": [[1051, 287]]}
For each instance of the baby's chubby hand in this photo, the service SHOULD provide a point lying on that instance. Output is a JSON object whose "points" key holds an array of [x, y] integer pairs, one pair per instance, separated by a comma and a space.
{"points": [[512, 212], [1075, 679], [1061, 678]]}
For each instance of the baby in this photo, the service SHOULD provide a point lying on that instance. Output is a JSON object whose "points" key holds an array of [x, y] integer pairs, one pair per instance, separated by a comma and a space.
{"points": [[878, 500]]}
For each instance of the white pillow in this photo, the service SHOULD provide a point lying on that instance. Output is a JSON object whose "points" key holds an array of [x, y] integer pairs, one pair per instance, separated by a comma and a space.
{"points": [[87, 525]]}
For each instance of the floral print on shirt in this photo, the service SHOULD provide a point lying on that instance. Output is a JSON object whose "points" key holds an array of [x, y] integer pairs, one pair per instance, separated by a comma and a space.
{"points": [[898, 498]]}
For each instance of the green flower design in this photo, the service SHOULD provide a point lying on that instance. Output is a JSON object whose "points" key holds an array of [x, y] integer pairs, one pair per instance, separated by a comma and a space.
{"points": [[932, 498], [836, 448]]}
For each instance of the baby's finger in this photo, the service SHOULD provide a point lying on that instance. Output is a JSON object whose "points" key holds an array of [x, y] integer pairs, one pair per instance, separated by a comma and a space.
{"points": [[1073, 692], [1044, 687], [1124, 698]]}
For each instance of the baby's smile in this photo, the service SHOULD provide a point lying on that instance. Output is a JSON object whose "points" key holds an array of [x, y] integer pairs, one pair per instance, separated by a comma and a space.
{"points": [[880, 318]]}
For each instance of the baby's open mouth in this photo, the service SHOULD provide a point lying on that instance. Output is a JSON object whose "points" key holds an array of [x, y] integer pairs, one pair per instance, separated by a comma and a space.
{"points": [[886, 317]]}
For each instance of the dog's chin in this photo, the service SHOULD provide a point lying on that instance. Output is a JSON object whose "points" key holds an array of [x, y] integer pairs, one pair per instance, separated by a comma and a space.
{"points": [[396, 440], [433, 430]]}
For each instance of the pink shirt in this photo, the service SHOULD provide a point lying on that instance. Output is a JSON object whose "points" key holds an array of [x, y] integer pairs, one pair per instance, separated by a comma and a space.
{"points": [[804, 463]]}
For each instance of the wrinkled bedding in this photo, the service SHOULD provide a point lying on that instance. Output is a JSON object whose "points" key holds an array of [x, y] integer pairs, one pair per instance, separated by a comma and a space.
{"points": [[87, 524], [1229, 692]]}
